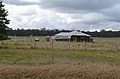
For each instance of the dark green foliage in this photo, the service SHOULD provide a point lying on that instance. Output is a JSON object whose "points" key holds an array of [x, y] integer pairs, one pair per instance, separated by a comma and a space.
{"points": [[104, 33], [3, 22], [47, 32]]}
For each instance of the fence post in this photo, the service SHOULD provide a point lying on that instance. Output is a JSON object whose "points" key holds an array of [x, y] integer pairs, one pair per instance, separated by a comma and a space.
{"points": [[85, 45], [69, 49], [35, 45], [52, 51]]}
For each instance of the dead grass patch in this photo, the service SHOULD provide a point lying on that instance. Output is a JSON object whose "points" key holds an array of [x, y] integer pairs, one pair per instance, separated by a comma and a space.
{"points": [[60, 71]]}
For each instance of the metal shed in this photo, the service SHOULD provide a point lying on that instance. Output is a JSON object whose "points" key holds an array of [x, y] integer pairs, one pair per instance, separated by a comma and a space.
{"points": [[73, 36]]}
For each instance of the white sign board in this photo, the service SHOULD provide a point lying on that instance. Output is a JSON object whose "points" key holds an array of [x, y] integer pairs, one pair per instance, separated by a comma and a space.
{"points": [[62, 37]]}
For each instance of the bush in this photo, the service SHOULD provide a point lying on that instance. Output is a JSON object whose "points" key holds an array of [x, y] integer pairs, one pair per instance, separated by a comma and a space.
{"points": [[3, 37]]}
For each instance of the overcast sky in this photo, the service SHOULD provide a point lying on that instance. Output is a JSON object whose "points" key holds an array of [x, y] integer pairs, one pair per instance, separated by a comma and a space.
{"points": [[85, 15]]}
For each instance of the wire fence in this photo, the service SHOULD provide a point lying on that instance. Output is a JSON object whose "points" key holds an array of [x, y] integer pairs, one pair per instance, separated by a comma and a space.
{"points": [[52, 52]]}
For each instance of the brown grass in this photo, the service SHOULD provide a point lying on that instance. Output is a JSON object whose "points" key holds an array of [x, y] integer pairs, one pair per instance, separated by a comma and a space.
{"points": [[104, 46], [60, 71], [97, 47]]}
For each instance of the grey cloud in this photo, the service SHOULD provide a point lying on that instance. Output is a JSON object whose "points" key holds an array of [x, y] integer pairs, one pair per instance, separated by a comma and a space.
{"points": [[99, 26], [109, 9], [106, 11], [113, 12], [19, 2], [64, 5], [78, 4]]}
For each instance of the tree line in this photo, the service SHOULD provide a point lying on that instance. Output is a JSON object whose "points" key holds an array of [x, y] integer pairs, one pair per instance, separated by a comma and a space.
{"points": [[47, 32], [104, 33]]}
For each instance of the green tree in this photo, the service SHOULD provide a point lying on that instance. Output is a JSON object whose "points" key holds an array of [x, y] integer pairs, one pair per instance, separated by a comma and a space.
{"points": [[3, 22]]}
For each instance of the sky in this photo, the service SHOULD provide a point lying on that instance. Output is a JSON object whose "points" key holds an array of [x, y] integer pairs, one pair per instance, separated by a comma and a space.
{"points": [[84, 15]]}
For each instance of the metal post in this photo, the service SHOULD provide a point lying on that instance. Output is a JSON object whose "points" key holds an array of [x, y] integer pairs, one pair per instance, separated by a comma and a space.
{"points": [[69, 50], [15, 41], [52, 52], [85, 45], [15, 38], [35, 45]]}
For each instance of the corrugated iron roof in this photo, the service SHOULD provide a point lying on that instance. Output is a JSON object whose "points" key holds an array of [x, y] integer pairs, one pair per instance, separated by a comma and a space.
{"points": [[78, 33], [66, 35], [73, 33]]}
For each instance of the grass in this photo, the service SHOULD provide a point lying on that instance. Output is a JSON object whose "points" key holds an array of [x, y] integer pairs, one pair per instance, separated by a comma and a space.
{"points": [[36, 57], [60, 71], [27, 60], [108, 46], [116, 39]]}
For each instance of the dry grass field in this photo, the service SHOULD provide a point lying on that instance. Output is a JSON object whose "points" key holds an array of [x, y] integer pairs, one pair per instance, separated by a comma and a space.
{"points": [[33, 60], [60, 71]]}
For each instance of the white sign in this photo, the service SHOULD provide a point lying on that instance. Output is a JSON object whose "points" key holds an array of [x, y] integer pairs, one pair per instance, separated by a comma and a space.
{"points": [[62, 37]]}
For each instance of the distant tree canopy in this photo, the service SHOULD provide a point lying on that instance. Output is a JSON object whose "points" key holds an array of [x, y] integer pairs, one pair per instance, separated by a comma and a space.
{"points": [[3, 22], [47, 32], [104, 33]]}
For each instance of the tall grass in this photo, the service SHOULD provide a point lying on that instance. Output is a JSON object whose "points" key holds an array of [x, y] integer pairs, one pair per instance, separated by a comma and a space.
{"points": [[104, 46], [36, 57], [30, 60], [60, 71]]}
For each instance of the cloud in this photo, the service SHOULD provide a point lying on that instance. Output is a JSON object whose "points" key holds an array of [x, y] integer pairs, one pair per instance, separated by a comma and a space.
{"points": [[31, 16], [92, 11], [113, 12], [78, 4], [88, 18], [21, 2], [64, 14]]}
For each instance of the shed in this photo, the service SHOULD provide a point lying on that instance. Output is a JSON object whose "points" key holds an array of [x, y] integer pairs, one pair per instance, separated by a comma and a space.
{"points": [[73, 36]]}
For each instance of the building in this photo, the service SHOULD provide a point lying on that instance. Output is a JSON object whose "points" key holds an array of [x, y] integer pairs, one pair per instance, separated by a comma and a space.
{"points": [[73, 36]]}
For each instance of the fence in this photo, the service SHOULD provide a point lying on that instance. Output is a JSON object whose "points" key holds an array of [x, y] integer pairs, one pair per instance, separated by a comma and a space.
{"points": [[53, 52]]}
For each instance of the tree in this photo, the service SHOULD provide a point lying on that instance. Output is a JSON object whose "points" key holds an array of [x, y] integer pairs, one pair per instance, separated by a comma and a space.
{"points": [[3, 22]]}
